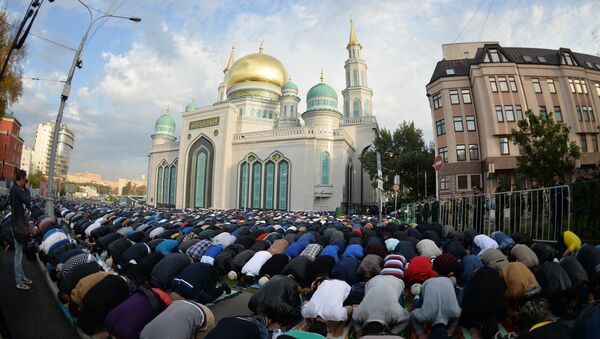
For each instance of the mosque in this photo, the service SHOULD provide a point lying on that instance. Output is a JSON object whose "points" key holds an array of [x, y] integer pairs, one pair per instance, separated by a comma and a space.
{"points": [[252, 149]]}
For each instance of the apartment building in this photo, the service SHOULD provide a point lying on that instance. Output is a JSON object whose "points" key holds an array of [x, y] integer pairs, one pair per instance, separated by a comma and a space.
{"points": [[11, 145], [479, 92]]}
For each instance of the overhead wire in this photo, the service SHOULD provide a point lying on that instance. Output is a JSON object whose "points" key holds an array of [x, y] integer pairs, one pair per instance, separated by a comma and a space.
{"points": [[469, 20], [486, 19]]}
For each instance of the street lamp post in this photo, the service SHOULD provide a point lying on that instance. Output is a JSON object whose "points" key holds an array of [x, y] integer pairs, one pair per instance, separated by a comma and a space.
{"points": [[63, 101]]}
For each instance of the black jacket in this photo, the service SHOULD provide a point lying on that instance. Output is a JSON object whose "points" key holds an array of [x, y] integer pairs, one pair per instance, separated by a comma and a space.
{"points": [[18, 198], [278, 300]]}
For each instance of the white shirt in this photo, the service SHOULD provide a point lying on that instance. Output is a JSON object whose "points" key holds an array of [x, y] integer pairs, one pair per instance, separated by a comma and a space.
{"points": [[224, 239], [328, 301], [156, 232], [90, 228], [252, 267], [484, 243], [51, 240]]}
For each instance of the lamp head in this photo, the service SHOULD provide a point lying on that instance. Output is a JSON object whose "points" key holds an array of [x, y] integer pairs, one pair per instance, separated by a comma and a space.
{"points": [[135, 19]]}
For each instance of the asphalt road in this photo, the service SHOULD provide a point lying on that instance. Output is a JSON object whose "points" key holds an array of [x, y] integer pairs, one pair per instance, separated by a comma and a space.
{"points": [[36, 314]]}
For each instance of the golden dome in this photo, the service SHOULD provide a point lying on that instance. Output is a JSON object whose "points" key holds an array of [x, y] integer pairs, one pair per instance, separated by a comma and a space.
{"points": [[257, 67]]}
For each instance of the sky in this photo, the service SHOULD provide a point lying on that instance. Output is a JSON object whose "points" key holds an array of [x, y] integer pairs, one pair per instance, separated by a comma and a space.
{"points": [[133, 71]]}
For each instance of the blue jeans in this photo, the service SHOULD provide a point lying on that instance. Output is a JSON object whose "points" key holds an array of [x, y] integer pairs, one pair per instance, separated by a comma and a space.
{"points": [[18, 259]]}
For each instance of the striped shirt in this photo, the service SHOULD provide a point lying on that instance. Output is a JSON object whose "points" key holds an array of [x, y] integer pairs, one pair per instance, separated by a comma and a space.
{"points": [[394, 265]]}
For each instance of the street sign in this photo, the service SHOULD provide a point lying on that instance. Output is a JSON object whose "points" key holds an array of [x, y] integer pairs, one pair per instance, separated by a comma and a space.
{"points": [[437, 164]]}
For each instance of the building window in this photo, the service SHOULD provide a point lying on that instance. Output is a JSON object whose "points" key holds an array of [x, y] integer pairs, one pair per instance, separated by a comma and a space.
{"points": [[269, 185], [356, 108], [597, 88], [444, 183], [578, 109], [159, 185], [591, 113], [458, 125], [440, 127], [450, 71], [510, 113], [571, 87], [493, 85], [172, 185], [443, 151], [584, 87], [542, 59], [536, 85], [584, 147], [527, 58], [470, 119], [474, 152], [461, 153], [519, 111], [454, 97], [504, 149], [462, 182], [568, 60], [466, 95], [595, 142], [558, 114], [244, 169], [355, 76], [503, 84], [282, 183], [475, 180], [241, 112], [499, 114], [584, 113], [578, 88], [437, 101], [494, 55], [325, 168], [543, 111], [256, 184], [512, 83], [551, 86]]}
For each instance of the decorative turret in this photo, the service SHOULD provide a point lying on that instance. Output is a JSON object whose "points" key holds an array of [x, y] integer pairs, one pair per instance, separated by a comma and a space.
{"points": [[321, 106], [192, 106], [222, 90], [164, 129], [288, 106]]}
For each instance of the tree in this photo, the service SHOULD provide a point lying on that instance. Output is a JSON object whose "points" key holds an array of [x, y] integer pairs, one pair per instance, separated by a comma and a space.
{"points": [[127, 189], [545, 146], [405, 153], [11, 86], [139, 190], [35, 178]]}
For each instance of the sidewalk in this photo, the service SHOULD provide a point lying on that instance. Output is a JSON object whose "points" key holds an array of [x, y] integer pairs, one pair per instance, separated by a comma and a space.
{"points": [[33, 314]]}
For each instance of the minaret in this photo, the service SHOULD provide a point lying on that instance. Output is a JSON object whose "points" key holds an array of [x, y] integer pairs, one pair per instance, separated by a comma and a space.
{"points": [[222, 94], [358, 97]]}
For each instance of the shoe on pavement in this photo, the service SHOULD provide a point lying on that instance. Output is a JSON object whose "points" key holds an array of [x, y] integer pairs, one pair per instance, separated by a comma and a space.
{"points": [[26, 280], [23, 286]]}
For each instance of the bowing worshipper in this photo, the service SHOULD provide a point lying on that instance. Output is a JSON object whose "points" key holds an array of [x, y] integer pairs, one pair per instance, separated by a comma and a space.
{"points": [[147, 263], [211, 254], [82, 288], [482, 243], [297, 268], [167, 268], [520, 283], [193, 320], [312, 251], [524, 254], [251, 270], [580, 292], [538, 322], [380, 309], [440, 308], [135, 252], [278, 246], [556, 286], [568, 244], [428, 248], [494, 258], [272, 267], [238, 262], [346, 269], [100, 300], [484, 303], [70, 280], [418, 271], [197, 250], [241, 327], [223, 260], [369, 267], [326, 306], [278, 300], [320, 267], [199, 282], [127, 320]]}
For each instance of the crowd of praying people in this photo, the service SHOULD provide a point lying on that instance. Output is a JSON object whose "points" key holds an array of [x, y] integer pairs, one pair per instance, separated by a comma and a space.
{"points": [[139, 272]]}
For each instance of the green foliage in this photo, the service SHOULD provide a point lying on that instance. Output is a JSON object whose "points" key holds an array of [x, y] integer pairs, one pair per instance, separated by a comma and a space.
{"points": [[546, 147], [11, 87], [35, 179], [127, 189], [405, 153]]}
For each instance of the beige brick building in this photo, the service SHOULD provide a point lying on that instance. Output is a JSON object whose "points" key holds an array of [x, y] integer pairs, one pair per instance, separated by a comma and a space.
{"points": [[479, 92]]}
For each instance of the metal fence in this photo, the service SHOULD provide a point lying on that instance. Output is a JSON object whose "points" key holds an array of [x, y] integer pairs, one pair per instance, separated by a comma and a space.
{"points": [[541, 213]]}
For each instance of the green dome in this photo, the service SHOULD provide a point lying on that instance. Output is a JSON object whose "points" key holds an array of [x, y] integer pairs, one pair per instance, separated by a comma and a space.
{"points": [[165, 125], [191, 106], [290, 85], [321, 90]]}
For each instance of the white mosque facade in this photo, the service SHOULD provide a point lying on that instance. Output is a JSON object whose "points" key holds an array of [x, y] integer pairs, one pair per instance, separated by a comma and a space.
{"points": [[251, 150]]}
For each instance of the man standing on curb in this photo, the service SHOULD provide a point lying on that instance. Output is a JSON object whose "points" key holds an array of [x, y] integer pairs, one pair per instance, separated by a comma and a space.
{"points": [[19, 198]]}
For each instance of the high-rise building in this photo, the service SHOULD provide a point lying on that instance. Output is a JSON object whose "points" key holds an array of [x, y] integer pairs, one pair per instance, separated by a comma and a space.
{"points": [[11, 145], [479, 92], [26, 157], [43, 146]]}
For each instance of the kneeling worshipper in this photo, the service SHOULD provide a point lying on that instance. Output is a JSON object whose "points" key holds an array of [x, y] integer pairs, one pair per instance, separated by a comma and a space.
{"points": [[199, 282], [440, 308], [193, 320], [278, 300], [326, 306]]}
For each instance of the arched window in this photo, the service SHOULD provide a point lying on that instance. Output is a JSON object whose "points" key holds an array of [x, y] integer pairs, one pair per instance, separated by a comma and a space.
{"points": [[198, 182], [159, 185], [347, 78], [166, 182], [355, 78], [269, 185], [362, 78], [324, 168], [356, 107], [256, 182], [244, 185], [241, 112], [172, 185], [346, 109], [366, 108], [282, 182], [284, 110], [349, 170]]}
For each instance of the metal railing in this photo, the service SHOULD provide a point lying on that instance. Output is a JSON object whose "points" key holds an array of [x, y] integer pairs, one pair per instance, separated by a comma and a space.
{"points": [[541, 213]]}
